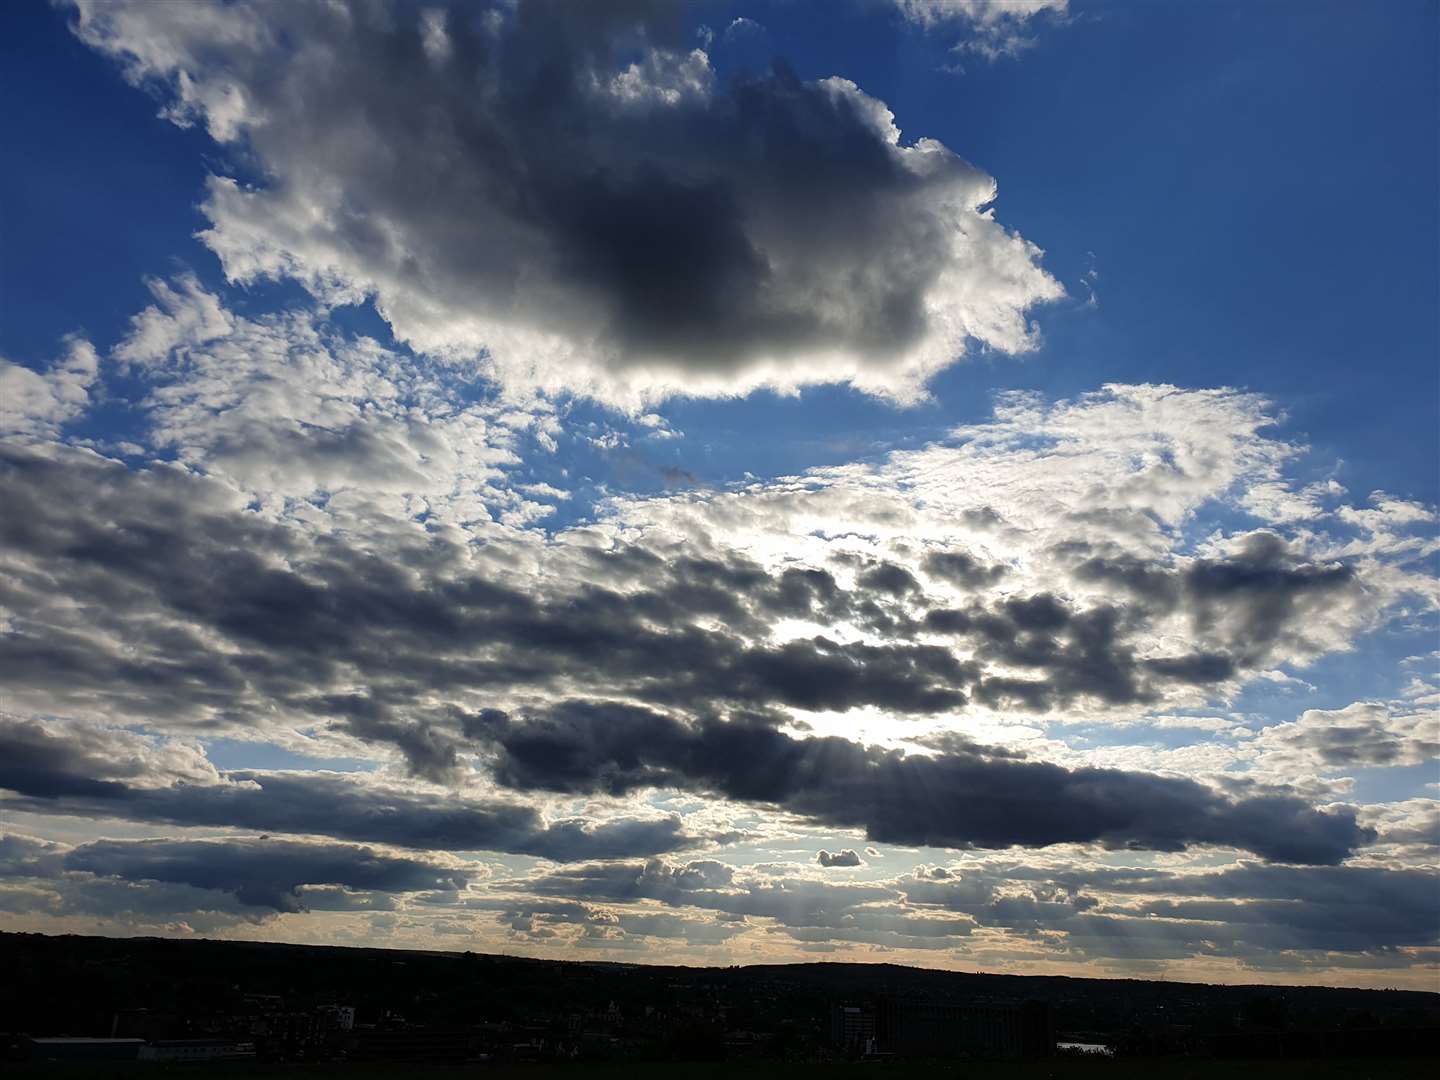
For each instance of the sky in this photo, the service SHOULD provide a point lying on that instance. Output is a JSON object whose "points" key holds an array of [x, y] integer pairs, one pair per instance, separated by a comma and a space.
{"points": [[949, 483]]}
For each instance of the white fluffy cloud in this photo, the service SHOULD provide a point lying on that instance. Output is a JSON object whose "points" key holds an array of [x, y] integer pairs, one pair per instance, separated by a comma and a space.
{"points": [[619, 229]]}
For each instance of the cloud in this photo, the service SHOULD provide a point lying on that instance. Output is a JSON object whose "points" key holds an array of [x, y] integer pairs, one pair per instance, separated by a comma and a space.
{"points": [[1361, 735], [996, 27], [621, 227], [261, 873], [38, 404], [1410, 824], [824, 653], [48, 773], [378, 634], [960, 798], [1331, 908], [303, 608], [237, 879], [283, 407], [85, 754], [1261, 915], [1007, 642], [962, 569], [1262, 598]]}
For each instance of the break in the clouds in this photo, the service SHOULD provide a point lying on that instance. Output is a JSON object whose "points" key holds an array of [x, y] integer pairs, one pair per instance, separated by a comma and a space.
{"points": [[576, 194], [396, 629]]}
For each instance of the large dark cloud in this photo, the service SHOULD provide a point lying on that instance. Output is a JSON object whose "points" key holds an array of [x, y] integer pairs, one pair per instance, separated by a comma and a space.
{"points": [[261, 873], [226, 879], [36, 766], [959, 798], [574, 171]]}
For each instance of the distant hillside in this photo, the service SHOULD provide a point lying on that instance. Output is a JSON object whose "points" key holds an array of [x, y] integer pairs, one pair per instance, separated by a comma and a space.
{"points": [[77, 985]]}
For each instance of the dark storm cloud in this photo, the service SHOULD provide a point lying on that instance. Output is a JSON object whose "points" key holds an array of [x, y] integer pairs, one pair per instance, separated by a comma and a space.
{"points": [[960, 798], [572, 169]]}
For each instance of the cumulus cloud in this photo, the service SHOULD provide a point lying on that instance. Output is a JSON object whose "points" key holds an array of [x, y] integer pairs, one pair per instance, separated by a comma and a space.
{"points": [[1363, 734], [625, 228], [35, 750], [848, 857], [1409, 826]]}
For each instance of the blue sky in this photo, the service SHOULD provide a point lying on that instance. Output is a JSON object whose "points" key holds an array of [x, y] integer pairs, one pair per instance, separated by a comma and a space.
{"points": [[1258, 206], [400, 333]]}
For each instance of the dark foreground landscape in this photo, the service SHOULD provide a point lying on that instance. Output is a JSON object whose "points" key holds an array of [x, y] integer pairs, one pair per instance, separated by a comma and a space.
{"points": [[144, 1005]]}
